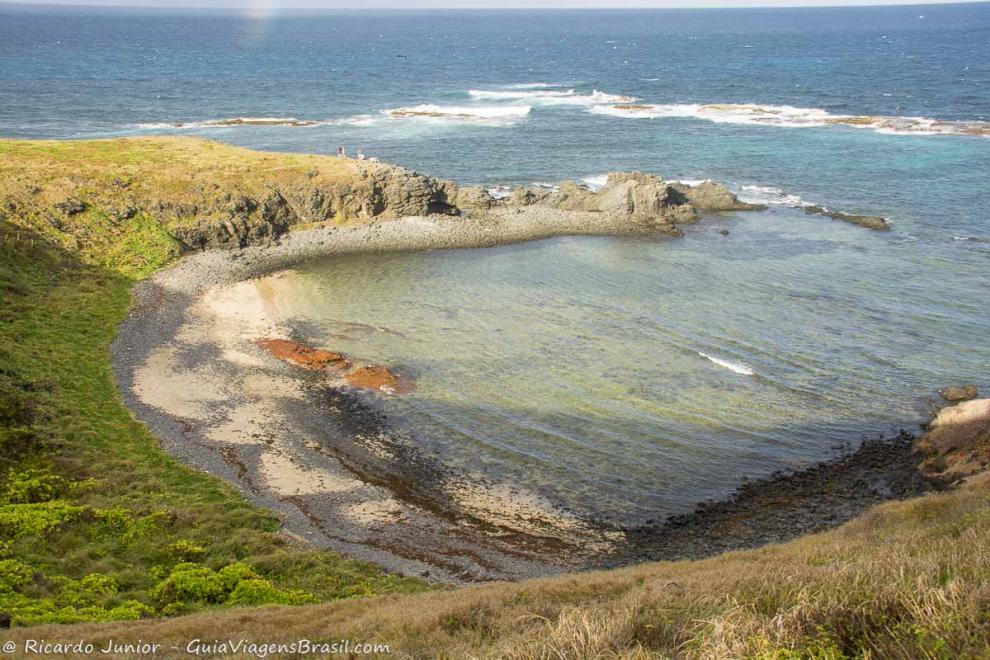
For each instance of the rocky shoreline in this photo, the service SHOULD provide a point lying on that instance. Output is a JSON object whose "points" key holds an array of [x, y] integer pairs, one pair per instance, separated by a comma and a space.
{"points": [[229, 390]]}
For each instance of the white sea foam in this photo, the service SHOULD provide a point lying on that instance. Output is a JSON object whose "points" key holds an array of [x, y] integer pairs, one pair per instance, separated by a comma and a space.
{"points": [[533, 85], [501, 114], [792, 117], [233, 122], [770, 195], [500, 192], [550, 96], [737, 367], [357, 120], [596, 182]]}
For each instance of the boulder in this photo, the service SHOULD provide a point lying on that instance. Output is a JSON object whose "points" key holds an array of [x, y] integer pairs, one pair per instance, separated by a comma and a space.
{"points": [[959, 393], [377, 378], [570, 196], [302, 355], [473, 197], [523, 196], [397, 192], [709, 197], [637, 194]]}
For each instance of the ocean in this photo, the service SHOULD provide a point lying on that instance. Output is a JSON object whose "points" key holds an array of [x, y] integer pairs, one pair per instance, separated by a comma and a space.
{"points": [[623, 377]]}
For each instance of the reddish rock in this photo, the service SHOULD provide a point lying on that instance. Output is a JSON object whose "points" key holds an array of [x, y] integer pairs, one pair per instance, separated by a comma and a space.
{"points": [[377, 378], [304, 356], [371, 377]]}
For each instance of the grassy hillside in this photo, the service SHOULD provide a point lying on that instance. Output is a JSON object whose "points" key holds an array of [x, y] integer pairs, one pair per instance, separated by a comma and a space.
{"points": [[97, 524], [908, 580]]}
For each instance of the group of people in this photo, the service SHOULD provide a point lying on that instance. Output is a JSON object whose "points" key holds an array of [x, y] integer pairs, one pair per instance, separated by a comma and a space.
{"points": [[342, 153]]}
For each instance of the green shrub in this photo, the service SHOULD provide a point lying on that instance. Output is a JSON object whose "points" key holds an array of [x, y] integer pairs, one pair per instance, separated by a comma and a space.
{"points": [[189, 583], [262, 592], [14, 575], [36, 519], [185, 550], [31, 487]]}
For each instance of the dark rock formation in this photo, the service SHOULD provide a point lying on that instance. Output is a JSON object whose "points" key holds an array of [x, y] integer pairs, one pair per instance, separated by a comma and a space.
{"points": [[238, 220]]}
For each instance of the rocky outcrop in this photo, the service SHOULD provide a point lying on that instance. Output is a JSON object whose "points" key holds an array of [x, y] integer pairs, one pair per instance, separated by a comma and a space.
{"points": [[639, 197], [238, 220], [957, 444], [710, 197]]}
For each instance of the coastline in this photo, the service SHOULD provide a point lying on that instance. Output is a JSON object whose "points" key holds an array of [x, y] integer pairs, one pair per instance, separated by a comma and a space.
{"points": [[330, 491], [324, 457]]}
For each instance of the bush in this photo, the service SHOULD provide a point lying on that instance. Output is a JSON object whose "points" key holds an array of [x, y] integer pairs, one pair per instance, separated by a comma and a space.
{"points": [[36, 519], [262, 592], [31, 487], [185, 550], [14, 575], [189, 585]]}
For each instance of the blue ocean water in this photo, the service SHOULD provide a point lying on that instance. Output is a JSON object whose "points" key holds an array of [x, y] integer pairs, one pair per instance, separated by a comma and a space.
{"points": [[844, 329]]}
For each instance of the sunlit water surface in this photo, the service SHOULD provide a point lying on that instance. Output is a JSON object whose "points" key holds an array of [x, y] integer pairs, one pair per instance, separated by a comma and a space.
{"points": [[633, 377]]}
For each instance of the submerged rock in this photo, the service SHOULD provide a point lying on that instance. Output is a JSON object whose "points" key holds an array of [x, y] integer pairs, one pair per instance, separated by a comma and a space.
{"points": [[302, 355], [874, 222], [367, 377], [377, 378], [959, 393]]}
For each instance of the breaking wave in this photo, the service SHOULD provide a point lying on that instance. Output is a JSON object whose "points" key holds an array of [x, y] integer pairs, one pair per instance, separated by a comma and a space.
{"points": [[793, 117], [550, 96], [771, 196], [737, 367], [474, 114]]}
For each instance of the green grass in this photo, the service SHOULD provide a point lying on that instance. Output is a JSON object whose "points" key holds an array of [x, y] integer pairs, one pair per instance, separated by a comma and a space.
{"points": [[96, 521]]}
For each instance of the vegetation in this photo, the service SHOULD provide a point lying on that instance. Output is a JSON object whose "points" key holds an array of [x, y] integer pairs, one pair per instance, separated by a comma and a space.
{"points": [[98, 524]]}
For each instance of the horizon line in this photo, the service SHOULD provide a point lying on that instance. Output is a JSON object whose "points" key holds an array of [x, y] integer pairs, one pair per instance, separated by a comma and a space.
{"points": [[675, 5]]}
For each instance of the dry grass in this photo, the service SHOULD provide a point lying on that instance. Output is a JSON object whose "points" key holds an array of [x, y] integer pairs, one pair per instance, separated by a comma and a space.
{"points": [[908, 580], [135, 193]]}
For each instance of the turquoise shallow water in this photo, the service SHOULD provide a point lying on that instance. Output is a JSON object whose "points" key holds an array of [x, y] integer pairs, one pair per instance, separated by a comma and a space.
{"points": [[574, 366], [577, 367]]}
